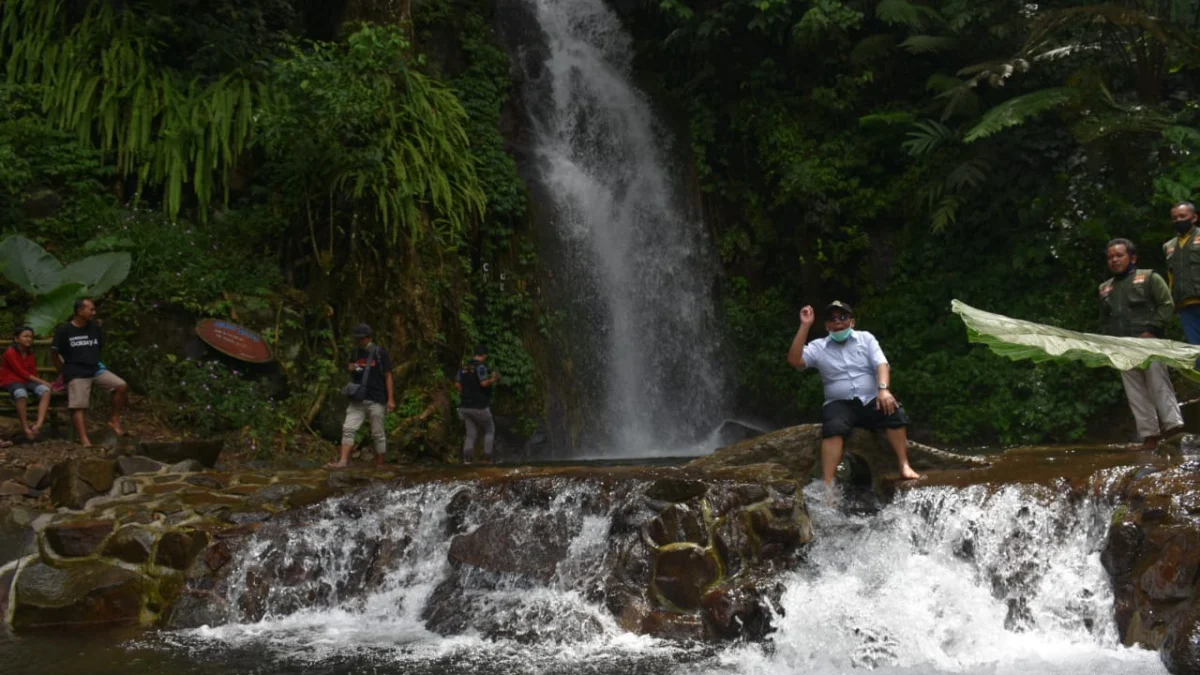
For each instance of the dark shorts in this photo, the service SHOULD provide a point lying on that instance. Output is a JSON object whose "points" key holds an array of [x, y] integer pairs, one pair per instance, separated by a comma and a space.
{"points": [[838, 418]]}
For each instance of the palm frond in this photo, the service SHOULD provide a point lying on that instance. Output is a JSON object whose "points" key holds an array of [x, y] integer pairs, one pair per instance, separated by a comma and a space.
{"points": [[1016, 111]]}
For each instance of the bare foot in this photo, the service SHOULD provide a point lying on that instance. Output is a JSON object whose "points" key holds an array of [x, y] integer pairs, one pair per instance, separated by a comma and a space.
{"points": [[833, 496], [5, 443], [379, 461], [30, 433], [335, 465], [115, 425], [37, 430], [86, 444], [907, 473]]}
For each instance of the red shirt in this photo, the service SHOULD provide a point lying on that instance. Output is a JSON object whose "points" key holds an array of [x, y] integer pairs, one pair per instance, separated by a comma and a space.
{"points": [[16, 367]]}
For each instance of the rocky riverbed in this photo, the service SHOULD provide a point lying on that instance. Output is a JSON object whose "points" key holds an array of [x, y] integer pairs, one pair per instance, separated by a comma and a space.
{"points": [[690, 552]]}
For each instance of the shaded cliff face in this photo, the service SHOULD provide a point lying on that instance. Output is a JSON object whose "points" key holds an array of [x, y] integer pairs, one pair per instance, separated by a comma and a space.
{"points": [[627, 261]]}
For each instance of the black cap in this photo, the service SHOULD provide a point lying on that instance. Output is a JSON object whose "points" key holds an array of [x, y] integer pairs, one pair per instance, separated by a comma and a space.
{"points": [[480, 350], [838, 304], [362, 330]]}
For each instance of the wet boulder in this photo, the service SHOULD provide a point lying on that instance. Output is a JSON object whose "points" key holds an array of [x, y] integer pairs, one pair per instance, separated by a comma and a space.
{"points": [[77, 539], [74, 481], [205, 452], [132, 465], [177, 549], [530, 545], [1180, 651], [80, 595], [797, 449], [131, 544]]}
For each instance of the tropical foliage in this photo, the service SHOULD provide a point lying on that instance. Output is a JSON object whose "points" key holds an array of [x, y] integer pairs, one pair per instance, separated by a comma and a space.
{"points": [[56, 287], [1017, 340], [901, 153], [302, 166]]}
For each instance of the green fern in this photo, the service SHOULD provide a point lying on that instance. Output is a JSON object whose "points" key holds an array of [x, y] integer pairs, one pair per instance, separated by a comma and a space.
{"points": [[969, 175], [923, 44], [101, 82], [890, 118], [872, 48], [945, 213], [904, 13], [928, 136], [1017, 110]]}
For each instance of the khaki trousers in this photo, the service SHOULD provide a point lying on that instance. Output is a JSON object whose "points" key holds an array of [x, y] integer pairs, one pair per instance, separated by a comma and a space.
{"points": [[357, 412], [1152, 399]]}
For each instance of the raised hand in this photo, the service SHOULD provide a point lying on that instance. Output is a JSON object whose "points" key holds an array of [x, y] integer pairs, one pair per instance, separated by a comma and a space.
{"points": [[807, 316]]}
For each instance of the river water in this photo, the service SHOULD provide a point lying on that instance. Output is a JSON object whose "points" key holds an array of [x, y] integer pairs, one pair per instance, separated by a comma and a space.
{"points": [[942, 581]]}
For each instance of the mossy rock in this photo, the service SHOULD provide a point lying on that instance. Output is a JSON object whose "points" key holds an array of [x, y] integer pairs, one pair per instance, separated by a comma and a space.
{"points": [[90, 593]]}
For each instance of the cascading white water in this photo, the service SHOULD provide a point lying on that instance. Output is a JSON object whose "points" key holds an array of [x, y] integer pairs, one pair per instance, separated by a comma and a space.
{"points": [[942, 581], [952, 581], [636, 262]]}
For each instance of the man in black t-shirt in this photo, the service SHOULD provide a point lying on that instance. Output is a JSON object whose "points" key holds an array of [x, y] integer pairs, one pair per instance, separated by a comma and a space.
{"points": [[474, 383], [379, 401], [76, 353]]}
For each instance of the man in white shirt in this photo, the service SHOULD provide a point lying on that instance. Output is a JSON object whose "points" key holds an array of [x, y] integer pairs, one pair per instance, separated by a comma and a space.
{"points": [[856, 377]]}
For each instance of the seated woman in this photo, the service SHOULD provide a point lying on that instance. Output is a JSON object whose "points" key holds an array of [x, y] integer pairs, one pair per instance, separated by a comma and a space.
{"points": [[19, 374]]}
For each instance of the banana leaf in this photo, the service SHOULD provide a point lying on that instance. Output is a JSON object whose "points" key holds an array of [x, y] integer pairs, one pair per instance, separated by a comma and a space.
{"points": [[53, 308], [1017, 340], [29, 266]]}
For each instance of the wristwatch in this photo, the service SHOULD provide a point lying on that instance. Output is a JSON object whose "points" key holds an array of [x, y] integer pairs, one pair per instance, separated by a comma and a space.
{"points": [[883, 386]]}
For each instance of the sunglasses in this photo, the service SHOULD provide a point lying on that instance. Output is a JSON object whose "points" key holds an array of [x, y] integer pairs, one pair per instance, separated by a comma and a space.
{"points": [[840, 317]]}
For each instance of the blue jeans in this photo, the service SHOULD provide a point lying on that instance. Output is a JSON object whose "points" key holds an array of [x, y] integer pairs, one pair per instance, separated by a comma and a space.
{"points": [[1190, 318]]}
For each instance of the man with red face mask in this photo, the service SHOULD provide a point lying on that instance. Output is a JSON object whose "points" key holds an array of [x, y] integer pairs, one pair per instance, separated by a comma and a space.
{"points": [[857, 382]]}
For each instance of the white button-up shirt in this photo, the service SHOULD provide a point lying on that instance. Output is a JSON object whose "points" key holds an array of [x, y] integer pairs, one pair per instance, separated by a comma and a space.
{"points": [[847, 369]]}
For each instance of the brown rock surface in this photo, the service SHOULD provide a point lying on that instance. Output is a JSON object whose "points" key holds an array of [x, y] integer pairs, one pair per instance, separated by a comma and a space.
{"points": [[75, 481], [130, 544], [85, 594], [37, 477], [77, 539], [177, 549], [517, 545]]}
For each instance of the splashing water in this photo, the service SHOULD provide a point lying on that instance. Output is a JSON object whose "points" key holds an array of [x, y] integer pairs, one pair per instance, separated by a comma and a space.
{"points": [[951, 581], [1004, 582]]}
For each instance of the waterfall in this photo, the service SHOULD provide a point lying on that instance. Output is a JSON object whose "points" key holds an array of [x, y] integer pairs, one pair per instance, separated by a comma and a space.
{"points": [[631, 264], [978, 580]]}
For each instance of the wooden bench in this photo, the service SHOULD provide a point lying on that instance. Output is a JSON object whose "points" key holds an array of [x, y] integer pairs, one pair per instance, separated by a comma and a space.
{"points": [[58, 399]]}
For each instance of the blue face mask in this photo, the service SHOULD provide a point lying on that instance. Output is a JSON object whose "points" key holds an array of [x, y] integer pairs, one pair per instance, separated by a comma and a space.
{"points": [[840, 336]]}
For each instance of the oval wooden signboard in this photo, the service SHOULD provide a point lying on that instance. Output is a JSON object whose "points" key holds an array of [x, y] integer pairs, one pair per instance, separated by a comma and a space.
{"points": [[233, 340]]}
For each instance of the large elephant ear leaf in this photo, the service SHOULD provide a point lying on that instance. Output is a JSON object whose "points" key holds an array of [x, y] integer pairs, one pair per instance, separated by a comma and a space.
{"points": [[53, 308], [98, 272], [1017, 339], [29, 266]]}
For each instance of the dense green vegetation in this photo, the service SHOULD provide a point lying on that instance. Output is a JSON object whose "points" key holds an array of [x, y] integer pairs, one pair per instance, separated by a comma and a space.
{"points": [[900, 153], [300, 166], [260, 167]]}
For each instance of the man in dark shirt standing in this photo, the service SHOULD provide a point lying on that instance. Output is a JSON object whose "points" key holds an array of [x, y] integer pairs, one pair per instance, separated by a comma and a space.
{"points": [[76, 353], [379, 401], [475, 385]]}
